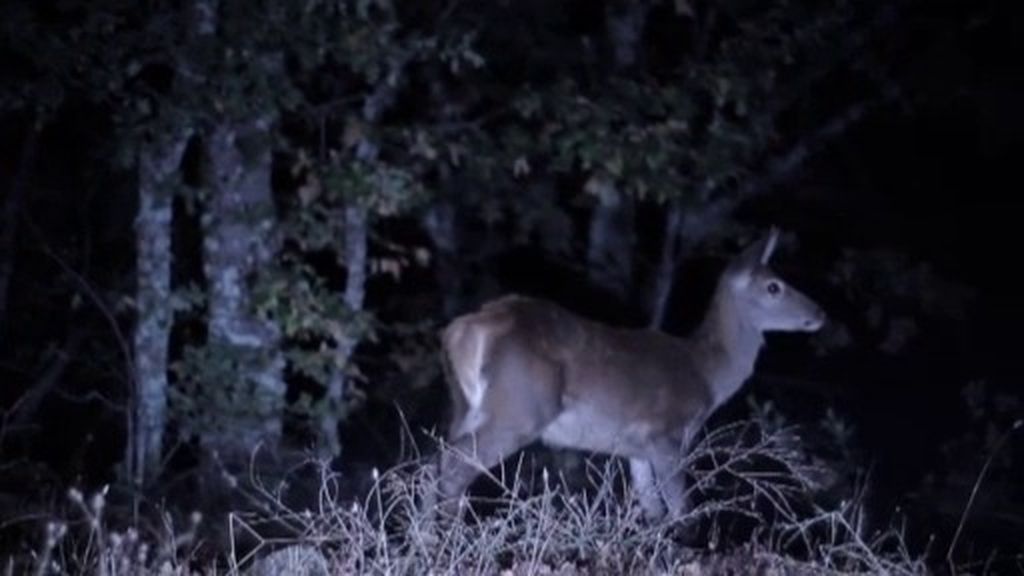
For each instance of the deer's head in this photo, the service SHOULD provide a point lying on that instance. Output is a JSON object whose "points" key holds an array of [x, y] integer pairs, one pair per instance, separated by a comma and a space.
{"points": [[764, 299]]}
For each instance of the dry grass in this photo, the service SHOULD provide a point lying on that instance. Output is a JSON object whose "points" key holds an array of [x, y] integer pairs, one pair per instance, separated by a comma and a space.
{"points": [[743, 476]]}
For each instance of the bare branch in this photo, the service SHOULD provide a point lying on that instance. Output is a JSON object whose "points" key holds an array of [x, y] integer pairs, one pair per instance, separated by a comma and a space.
{"points": [[28, 405]]}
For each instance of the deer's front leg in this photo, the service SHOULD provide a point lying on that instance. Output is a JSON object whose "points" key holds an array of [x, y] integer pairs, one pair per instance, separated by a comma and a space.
{"points": [[670, 479], [668, 462], [641, 472]]}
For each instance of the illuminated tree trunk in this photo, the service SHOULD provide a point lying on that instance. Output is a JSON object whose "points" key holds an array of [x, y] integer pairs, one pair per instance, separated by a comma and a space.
{"points": [[240, 239], [611, 233], [354, 255], [158, 167]]}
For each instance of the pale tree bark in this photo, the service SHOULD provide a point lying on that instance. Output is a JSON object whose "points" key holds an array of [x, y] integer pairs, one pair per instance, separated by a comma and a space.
{"points": [[664, 275], [158, 171], [353, 253], [625, 20], [240, 239], [672, 248], [354, 249], [611, 231], [440, 221], [440, 224], [610, 241]]}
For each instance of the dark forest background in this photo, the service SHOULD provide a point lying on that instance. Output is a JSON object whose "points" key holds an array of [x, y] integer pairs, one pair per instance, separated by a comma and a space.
{"points": [[229, 223]]}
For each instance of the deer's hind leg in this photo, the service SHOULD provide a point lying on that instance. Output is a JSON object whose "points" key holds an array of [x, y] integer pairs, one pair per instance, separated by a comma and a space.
{"points": [[523, 396]]}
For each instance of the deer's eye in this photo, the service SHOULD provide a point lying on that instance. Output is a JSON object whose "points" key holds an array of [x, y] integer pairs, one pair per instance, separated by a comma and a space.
{"points": [[774, 288]]}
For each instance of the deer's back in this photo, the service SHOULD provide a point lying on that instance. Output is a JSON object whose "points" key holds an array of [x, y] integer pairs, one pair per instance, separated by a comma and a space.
{"points": [[617, 386]]}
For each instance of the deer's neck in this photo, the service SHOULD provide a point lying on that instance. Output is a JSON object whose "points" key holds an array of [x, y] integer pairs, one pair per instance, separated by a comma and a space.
{"points": [[727, 348]]}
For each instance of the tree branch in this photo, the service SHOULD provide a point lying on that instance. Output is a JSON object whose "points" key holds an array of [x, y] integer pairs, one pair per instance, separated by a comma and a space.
{"points": [[86, 289], [698, 224], [683, 231], [786, 166], [27, 406]]}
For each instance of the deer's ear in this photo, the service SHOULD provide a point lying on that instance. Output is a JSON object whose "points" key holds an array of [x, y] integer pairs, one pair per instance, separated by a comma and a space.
{"points": [[759, 252], [768, 245]]}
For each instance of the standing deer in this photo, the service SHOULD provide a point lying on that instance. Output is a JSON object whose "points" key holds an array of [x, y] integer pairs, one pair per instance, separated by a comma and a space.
{"points": [[522, 369]]}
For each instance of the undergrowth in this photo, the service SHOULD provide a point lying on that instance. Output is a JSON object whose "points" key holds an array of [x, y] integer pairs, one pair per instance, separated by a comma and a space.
{"points": [[753, 512]]}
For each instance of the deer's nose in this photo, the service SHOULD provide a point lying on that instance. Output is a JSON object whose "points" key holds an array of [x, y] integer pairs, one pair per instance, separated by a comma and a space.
{"points": [[816, 321]]}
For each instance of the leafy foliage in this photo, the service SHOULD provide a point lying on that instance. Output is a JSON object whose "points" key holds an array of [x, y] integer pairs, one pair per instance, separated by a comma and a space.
{"points": [[210, 397]]}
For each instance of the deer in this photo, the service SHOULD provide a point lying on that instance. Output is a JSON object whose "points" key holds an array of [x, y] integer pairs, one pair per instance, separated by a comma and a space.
{"points": [[522, 369]]}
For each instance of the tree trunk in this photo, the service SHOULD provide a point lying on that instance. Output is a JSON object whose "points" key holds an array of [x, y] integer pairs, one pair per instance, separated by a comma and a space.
{"points": [[56, 360], [158, 165], [664, 276], [611, 235], [355, 256], [240, 239], [357, 225], [356, 228], [440, 224], [610, 243], [625, 20]]}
